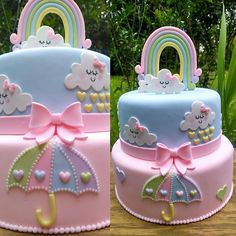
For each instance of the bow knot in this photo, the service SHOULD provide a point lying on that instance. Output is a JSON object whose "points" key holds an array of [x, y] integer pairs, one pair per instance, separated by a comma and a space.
{"points": [[56, 119], [180, 157], [7, 86], [98, 64], [139, 127], [44, 125]]}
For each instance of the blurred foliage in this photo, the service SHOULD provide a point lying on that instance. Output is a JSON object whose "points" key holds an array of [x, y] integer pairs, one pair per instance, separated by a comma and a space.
{"points": [[94, 12], [132, 21]]}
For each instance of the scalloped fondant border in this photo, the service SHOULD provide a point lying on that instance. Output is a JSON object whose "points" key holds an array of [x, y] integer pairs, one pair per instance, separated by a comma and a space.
{"points": [[152, 220], [57, 230]]}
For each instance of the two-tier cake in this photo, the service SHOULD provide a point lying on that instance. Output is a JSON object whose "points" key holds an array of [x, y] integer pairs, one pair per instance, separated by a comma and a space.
{"points": [[172, 163], [54, 126]]}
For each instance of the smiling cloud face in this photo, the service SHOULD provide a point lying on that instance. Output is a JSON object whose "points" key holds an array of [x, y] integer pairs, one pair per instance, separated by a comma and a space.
{"points": [[11, 97], [163, 83], [135, 133], [91, 73], [200, 117], [45, 37]]}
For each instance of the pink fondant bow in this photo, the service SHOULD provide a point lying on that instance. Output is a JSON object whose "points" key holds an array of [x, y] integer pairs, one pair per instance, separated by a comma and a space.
{"points": [[54, 37], [180, 157], [139, 127], [45, 125], [171, 77], [98, 64], [205, 109], [7, 86]]}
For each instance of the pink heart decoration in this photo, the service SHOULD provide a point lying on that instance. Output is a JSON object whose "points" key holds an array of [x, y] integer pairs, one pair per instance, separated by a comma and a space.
{"points": [[198, 72], [18, 174], [179, 193], [139, 69], [64, 176]]}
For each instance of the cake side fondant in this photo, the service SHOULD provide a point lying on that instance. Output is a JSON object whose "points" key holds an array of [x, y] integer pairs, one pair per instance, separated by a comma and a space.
{"points": [[34, 68], [207, 178], [162, 115]]}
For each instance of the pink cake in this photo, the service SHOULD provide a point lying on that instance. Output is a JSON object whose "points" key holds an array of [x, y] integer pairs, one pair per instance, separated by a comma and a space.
{"points": [[172, 164], [54, 126]]}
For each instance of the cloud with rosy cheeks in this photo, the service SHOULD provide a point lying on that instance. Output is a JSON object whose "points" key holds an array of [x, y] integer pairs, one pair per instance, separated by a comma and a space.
{"points": [[11, 97], [136, 133], [91, 73], [45, 37], [200, 117], [164, 83]]}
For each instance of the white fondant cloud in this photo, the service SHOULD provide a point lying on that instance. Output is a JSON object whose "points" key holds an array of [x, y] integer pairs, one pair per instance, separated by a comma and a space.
{"points": [[135, 133], [45, 37], [200, 117], [163, 83], [91, 73], [9, 100]]}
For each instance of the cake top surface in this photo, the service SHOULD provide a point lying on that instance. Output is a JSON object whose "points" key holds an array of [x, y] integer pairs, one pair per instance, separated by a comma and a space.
{"points": [[152, 79]]}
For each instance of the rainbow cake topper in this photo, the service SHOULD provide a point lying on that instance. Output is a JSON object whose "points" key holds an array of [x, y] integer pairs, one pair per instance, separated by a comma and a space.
{"points": [[170, 37], [34, 12]]}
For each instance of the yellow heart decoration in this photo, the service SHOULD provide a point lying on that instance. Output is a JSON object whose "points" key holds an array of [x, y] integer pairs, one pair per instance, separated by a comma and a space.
{"points": [[88, 107], [108, 97], [196, 141], [212, 129], [205, 139], [81, 96], [93, 97], [200, 133], [191, 134], [100, 107], [210, 136], [206, 131], [107, 107], [102, 97]]}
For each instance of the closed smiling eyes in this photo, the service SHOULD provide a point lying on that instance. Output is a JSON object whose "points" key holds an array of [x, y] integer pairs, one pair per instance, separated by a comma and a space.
{"points": [[3, 95], [91, 72]]}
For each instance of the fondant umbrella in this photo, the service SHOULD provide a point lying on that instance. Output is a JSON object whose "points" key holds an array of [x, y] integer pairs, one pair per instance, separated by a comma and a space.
{"points": [[172, 188], [53, 167]]}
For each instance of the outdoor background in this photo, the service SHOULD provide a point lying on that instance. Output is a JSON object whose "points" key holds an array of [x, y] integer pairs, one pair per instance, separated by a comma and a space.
{"points": [[132, 21], [95, 15], [119, 29]]}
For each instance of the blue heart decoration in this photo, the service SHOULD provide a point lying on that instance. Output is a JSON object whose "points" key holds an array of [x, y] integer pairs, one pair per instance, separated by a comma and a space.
{"points": [[39, 175], [163, 192], [120, 174]]}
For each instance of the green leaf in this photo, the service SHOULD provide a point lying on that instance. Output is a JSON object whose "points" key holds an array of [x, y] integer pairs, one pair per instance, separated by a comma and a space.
{"points": [[230, 89], [221, 55]]}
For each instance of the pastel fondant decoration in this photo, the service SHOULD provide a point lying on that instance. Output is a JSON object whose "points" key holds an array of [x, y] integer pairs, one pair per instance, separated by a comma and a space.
{"points": [[100, 107], [134, 132], [201, 117], [102, 97], [180, 157], [18, 174], [11, 97], [107, 107], [149, 191], [34, 12], [64, 176], [44, 125], [120, 174], [81, 96], [170, 37], [85, 177], [221, 193], [164, 83], [91, 73], [191, 134], [108, 97], [196, 141], [171, 188], [45, 161], [88, 107], [39, 175], [45, 37], [93, 97]]}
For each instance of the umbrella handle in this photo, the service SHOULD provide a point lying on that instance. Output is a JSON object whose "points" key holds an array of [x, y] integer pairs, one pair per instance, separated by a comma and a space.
{"points": [[47, 223], [171, 216]]}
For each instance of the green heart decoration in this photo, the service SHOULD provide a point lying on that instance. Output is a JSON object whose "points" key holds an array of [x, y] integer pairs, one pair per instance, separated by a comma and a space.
{"points": [[85, 177], [221, 192]]}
